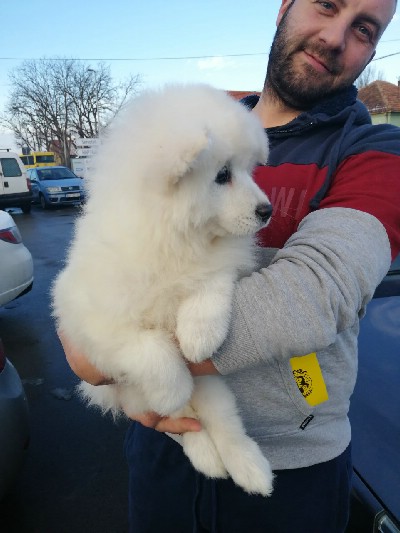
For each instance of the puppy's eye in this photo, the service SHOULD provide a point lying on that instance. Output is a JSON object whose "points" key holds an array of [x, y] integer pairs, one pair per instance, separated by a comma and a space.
{"points": [[223, 176]]}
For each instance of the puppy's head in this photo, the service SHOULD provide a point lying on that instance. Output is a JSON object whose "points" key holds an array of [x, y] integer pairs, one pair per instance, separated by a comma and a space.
{"points": [[210, 179], [234, 203], [190, 151]]}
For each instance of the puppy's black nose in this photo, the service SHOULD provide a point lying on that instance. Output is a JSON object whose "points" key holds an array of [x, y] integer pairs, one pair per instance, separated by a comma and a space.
{"points": [[264, 212]]}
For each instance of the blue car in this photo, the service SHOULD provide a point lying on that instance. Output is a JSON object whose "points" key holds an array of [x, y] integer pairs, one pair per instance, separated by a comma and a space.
{"points": [[54, 186], [375, 414]]}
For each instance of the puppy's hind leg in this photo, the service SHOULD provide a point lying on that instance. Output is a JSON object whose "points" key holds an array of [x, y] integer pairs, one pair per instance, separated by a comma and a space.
{"points": [[201, 450], [216, 408], [150, 360], [105, 397]]}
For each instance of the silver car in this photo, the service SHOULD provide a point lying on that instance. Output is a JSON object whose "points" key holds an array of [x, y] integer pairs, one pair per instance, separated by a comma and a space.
{"points": [[16, 264], [14, 423]]}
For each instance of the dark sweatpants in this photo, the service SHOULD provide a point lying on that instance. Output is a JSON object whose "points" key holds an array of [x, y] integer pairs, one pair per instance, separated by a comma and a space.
{"points": [[166, 495]]}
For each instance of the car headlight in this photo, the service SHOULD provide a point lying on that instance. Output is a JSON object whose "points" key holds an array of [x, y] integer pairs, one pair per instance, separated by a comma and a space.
{"points": [[52, 190]]}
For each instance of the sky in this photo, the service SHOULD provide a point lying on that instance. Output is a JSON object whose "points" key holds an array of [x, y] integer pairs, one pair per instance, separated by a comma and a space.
{"points": [[221, 42]]}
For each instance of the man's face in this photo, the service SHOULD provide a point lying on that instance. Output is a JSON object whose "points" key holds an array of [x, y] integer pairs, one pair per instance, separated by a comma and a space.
{"points": [[322, 47]]}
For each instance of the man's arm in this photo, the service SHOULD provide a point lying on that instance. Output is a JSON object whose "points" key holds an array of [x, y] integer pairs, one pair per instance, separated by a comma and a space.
{"points": [[317, 286], [80, 365]]}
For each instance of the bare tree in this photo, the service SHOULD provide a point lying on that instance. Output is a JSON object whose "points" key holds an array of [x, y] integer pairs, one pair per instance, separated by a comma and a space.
{"points": [[52, 101], [368, 75]]}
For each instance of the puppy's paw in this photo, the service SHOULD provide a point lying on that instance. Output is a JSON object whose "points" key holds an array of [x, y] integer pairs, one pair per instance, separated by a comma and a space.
{"points": [[202, 324], [199, 339], [203, 454], [248, 467]]}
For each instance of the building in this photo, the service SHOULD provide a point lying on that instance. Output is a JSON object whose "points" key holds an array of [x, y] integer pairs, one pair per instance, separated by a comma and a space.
{"points": [[383, 101], [238, 95]]}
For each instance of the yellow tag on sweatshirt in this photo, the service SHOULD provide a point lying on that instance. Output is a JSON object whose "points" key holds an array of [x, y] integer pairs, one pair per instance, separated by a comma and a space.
{"points": [[309, 378]]}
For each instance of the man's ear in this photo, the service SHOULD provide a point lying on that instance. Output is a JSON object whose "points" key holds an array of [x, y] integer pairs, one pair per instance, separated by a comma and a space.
{"points": [[282, 10]]}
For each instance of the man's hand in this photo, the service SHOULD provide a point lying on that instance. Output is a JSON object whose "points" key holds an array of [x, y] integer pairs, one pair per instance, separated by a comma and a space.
{"points": [[205, 368], [166, 424], [82, 367]]}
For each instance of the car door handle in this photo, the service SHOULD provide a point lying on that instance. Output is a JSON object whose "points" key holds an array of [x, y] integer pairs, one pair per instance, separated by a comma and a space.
{"points": [[6, 184]]}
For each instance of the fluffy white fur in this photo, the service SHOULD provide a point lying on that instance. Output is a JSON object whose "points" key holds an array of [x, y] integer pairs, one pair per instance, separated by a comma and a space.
{"points": [[151, 269]]}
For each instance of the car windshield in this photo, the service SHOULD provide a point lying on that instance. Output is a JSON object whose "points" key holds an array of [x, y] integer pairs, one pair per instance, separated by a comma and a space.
{"points": [[55, 174], [45, 159]]}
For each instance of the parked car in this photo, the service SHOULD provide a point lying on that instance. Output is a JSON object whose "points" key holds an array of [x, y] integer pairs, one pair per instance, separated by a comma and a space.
{"points": [[16, 264], [14, 423], [56, 186], [375, 414], [15, 188]]}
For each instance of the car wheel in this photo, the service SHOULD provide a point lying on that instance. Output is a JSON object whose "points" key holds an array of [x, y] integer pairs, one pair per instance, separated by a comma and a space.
{"points": [[26, 208], [43, 202]]}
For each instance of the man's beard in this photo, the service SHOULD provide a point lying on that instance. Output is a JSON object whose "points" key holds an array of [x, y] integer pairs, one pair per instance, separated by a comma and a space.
{"points": [[301, 89]]}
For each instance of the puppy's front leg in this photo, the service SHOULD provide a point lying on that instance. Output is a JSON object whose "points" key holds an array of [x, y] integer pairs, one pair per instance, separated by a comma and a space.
{"points": [[203, 318]]}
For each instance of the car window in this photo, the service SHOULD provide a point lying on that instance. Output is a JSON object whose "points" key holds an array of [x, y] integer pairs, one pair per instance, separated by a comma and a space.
{"points": [[27, 159], [55, 174], [10, 167]]}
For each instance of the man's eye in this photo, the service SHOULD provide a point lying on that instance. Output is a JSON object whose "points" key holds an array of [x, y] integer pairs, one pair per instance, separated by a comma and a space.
{"points": [[326, 8], [223, 176], [327, 5], [364, 31]]}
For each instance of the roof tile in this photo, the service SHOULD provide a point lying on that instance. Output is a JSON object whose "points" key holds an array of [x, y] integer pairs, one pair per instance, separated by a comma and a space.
{"points": [[380, 97]]}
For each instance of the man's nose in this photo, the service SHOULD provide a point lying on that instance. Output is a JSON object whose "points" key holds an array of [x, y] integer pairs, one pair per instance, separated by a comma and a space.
{"points": [[334, 34]]}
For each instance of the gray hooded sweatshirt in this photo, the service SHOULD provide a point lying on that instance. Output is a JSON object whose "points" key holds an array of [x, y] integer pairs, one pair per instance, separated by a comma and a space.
{"points": [[291, 354]]}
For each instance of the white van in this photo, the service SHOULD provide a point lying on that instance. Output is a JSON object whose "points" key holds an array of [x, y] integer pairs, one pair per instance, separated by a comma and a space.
{"points": [[15, 188]]}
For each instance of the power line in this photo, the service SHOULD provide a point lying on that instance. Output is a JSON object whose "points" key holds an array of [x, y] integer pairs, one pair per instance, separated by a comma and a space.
{"points": [[383, 57], [173, 58], [176, 58], [128, 58]]}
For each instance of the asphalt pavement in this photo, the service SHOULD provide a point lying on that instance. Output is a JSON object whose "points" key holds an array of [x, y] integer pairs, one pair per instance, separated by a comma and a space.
{"points": [[74, 478]]}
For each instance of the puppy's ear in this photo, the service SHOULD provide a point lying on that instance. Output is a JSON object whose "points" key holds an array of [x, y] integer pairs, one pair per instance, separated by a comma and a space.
{"points": [[186, 155]]}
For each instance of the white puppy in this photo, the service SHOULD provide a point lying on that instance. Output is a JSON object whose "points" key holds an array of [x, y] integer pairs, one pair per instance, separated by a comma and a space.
{"points": [[166, 231]]}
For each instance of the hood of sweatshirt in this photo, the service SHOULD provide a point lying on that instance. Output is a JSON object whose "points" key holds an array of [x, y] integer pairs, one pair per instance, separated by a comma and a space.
{"points": [[342, 111]]}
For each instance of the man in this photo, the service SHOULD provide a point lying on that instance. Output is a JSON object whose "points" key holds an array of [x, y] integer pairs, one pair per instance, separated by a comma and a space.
{"points": [[291, 355]]}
